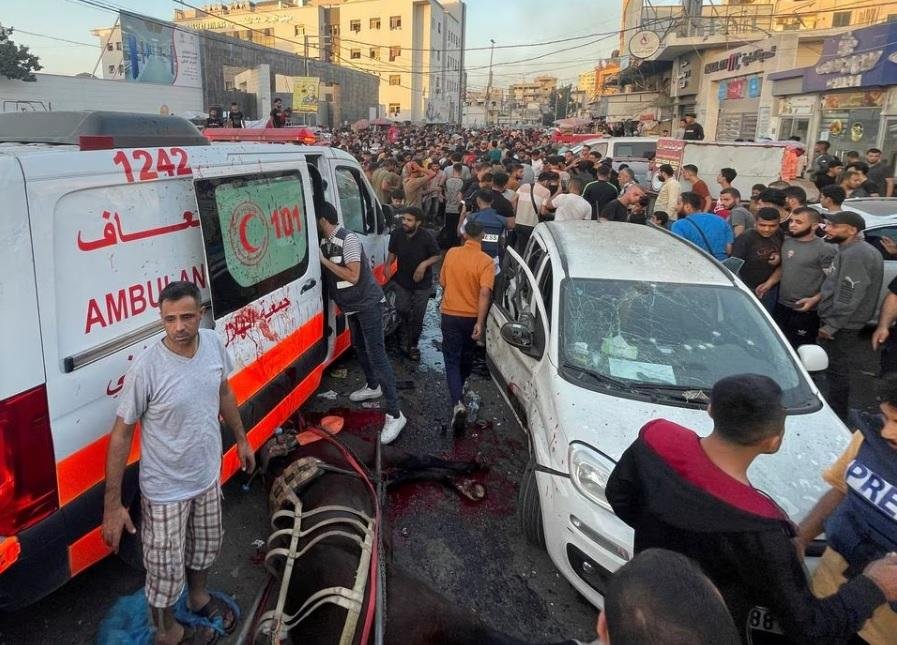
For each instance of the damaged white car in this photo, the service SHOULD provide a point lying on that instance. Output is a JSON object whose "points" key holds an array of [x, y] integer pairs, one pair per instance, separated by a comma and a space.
{"points": [[601, 327]]}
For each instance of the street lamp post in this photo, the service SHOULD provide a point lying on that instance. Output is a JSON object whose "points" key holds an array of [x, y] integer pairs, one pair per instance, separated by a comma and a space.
{"points": [[489, 85]]}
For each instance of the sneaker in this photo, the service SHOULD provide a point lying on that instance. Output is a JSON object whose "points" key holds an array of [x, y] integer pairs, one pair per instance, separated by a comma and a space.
{"points": [[366, 394], [459, 417], [392, 426]]}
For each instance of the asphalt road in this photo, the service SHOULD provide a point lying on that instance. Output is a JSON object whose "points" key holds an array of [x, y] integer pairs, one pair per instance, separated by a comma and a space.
{"points": [[473, 553]]}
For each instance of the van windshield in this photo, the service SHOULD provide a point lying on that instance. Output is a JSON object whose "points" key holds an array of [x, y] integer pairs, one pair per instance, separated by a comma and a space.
{"points": [[634, 149], [671, 338]]}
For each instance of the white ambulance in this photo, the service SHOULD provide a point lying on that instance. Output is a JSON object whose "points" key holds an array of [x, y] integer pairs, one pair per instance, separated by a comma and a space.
{"points": [[101, 210]]}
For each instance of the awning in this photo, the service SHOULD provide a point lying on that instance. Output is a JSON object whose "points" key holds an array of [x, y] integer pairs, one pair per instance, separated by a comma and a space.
{"points": [[642, 69]]}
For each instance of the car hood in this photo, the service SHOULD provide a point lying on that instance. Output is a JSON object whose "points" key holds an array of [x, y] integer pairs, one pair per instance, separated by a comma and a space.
{"points": [[792, 476]]}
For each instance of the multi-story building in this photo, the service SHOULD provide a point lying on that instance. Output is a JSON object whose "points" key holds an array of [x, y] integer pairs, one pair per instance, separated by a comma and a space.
{"points": [[111, 60], [585, 83], [601, 80], [540, 90], [297, 26], [719, 61], [415, 47]]}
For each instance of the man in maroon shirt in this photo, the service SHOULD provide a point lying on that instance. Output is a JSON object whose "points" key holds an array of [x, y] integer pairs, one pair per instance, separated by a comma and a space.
{"points": [[698, 185], [693, 495]]}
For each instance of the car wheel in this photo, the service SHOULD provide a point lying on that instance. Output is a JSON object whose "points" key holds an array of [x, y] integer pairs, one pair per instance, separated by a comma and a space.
{"points": [[390, 313], [529, 509]]}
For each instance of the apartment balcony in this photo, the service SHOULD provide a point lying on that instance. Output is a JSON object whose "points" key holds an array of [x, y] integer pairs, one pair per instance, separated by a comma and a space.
{"points": [[729, 25]]}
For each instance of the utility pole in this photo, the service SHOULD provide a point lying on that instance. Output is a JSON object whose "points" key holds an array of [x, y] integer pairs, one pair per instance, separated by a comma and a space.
{"points": [[489, 85], [304, 113]]}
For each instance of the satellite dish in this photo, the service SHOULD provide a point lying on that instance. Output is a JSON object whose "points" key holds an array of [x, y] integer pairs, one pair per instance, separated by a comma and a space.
{"points": [[644, 44]]}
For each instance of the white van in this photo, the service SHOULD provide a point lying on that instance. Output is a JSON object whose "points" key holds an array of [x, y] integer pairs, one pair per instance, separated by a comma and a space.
{"points": [[101, 211], [635, 152]]}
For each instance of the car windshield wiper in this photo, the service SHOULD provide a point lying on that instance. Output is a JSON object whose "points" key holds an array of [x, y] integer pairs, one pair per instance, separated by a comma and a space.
{"points": [[616, 383], [690, 393]]}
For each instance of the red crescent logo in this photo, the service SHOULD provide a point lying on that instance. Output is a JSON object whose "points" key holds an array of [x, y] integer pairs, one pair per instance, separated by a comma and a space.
{"points": [[245, 251], [244, 239]]}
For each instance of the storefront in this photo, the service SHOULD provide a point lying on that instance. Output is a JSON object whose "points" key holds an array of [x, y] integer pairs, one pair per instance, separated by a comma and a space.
{"points": [[739, 108], [851, 120], [732, 93], [844, 97], [795, 113]]}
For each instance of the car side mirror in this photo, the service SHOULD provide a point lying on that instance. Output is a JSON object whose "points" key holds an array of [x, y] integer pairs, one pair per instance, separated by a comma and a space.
{"points": [[733, 264], [519, 333], [813, 358]]}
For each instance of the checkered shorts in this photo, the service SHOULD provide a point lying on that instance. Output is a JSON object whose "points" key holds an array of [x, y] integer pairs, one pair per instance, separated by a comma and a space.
{"points": [[179, 536]]}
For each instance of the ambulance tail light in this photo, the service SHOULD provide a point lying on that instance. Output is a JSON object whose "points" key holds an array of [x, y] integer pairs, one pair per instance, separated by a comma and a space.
{"points": [[28, 490]]}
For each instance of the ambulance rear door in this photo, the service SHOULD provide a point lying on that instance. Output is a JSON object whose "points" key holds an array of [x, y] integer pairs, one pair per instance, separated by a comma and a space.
{"points": [[260, 244]]}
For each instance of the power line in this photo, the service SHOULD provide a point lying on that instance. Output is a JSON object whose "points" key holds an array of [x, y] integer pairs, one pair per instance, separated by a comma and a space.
{"points": [[57, 38]]}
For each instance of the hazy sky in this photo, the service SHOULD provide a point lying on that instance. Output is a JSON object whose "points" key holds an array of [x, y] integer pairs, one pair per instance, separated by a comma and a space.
{"points": [[509, 22]]}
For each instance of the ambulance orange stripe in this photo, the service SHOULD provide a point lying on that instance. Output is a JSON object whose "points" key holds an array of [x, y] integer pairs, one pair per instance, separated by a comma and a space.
{"points": [[230, 463], [343, 341], [274, 361], [86, 550], [87, 467], [90, 548]]}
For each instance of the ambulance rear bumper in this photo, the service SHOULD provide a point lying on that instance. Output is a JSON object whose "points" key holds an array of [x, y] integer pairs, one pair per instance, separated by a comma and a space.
{"points": [[42, 566]]}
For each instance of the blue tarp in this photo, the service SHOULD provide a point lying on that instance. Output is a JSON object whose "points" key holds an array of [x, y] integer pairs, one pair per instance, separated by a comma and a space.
{"points": [[128, 621]]}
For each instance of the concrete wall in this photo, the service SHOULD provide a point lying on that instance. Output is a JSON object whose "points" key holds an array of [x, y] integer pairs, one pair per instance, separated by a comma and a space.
{"points": [[358, 90], [51, 92]]}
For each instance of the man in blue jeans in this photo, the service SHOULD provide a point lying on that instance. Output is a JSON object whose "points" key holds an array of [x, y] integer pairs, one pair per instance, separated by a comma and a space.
{"points": [[467, 278], [352, 286]]}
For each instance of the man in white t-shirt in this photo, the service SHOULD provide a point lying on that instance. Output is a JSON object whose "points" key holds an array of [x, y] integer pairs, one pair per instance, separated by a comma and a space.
{"points": [[569, 206], [527, 205], [176, 390]]}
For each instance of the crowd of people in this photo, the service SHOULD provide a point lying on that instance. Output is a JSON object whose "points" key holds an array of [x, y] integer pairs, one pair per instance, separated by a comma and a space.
{"points": [[811, 268], [717, 561]]}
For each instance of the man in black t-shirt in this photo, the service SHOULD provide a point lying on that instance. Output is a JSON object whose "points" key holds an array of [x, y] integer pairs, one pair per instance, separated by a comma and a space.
{"points": [[760, 248], [278, 116], [618, 209], [601, 192], [693, 130], [416, 251], [235, 116], [883, 338]]}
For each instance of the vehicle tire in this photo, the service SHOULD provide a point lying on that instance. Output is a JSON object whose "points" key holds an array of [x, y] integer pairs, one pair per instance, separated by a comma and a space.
{"points": [[390, 313], [529, 508]]}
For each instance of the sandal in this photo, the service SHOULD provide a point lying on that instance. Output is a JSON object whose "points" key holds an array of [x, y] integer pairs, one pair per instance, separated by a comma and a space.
{"points": [[217, 608], [198, 636]]}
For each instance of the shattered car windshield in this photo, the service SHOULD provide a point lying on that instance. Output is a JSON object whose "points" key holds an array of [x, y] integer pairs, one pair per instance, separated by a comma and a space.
{"points": [[671, 337]]}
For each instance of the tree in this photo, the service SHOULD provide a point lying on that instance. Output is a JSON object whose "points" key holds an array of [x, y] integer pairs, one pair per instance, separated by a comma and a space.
{"points": [[16, 62]]}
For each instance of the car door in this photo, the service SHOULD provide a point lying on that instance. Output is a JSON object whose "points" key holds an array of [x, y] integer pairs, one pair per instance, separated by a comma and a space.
{"points": [[260, 244], [358, 208], [518, 300], [884, 239]]}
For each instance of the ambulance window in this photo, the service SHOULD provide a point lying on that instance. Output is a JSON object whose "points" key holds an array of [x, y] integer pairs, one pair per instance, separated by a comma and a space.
{"points": [[255, 234], [354, 201]]}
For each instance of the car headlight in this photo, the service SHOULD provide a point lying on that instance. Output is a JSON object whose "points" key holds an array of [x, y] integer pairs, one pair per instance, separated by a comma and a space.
{"points": [[589, 471]]}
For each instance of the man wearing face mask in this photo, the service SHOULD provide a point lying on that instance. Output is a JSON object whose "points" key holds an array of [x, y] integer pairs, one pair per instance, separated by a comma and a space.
{"points": [[847, 301], [805, 259]]}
